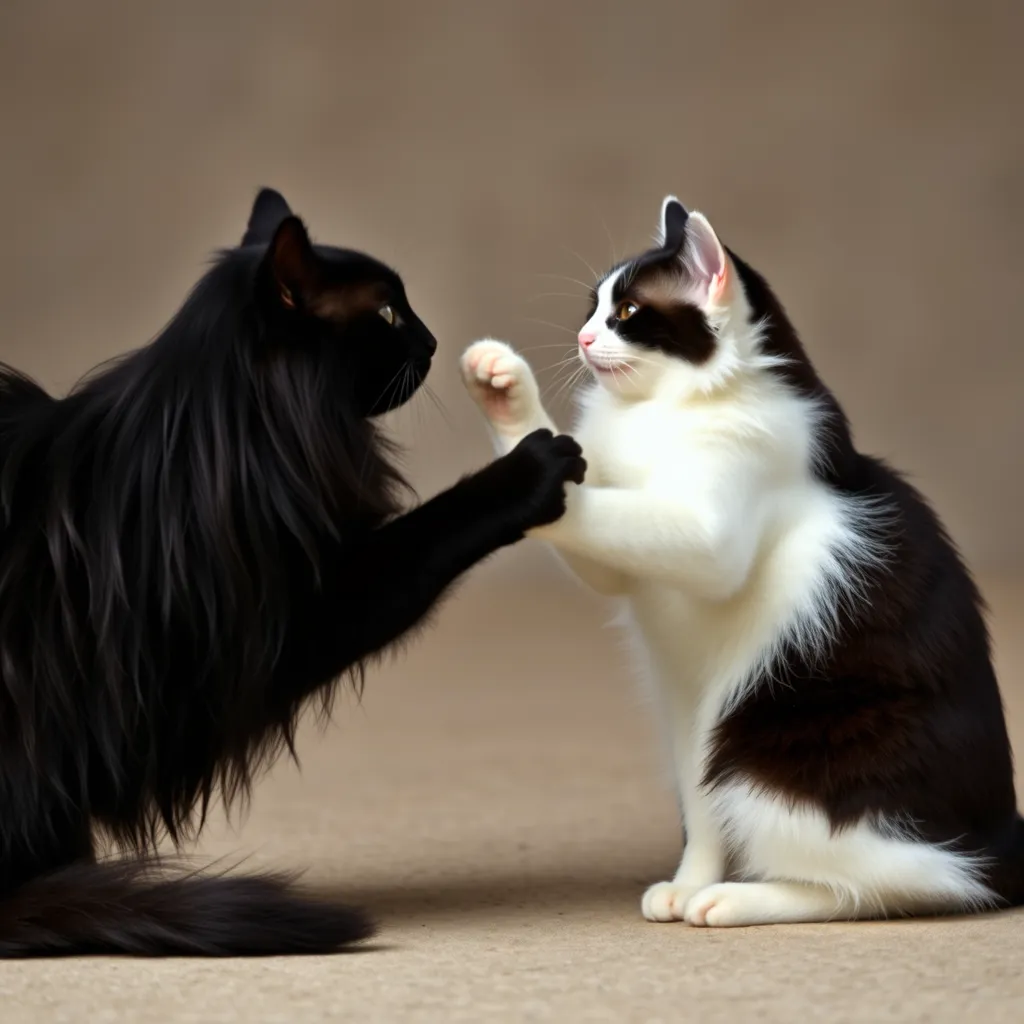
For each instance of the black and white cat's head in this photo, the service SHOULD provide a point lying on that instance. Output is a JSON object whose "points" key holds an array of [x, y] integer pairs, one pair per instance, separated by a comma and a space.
{"points": [[674, 317], [342, 309]]}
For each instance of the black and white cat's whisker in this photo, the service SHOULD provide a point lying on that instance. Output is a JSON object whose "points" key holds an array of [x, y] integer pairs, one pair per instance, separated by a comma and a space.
{"points": [[570, 383], [587, 288], [573, 252], [564, 383], [611, 242], [560, 383], [563, 375], [555, 344], [570, 359], [570, 356], [555, 295], [549, 323]]}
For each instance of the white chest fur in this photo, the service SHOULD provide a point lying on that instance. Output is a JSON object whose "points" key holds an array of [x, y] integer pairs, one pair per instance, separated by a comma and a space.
{"points": [[799, 535]]}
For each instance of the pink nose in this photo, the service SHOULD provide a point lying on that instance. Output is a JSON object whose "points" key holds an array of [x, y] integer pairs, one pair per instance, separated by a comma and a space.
{"points": [[587, 338]]}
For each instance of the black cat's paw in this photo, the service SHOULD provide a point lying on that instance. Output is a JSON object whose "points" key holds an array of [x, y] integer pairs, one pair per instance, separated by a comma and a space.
{"points": [[542, 464]]}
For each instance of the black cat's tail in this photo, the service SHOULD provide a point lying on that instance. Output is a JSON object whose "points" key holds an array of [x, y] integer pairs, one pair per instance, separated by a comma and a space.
{"points": [[141, 908]]}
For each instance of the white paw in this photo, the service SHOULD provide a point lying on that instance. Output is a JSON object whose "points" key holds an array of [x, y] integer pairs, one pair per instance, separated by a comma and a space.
{"points": [[666, 901], [725, 905], [502, 384]]}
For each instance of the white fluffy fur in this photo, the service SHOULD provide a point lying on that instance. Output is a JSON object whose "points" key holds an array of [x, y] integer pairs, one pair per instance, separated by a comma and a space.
{"points": [[701, 511]]}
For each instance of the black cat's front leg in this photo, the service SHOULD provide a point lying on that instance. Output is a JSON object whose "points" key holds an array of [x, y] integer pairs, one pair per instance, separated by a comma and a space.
{"points": [[384, 585]]}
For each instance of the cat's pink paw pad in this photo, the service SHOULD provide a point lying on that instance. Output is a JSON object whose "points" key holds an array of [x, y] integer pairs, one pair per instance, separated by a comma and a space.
{"points": [[666, 901]]}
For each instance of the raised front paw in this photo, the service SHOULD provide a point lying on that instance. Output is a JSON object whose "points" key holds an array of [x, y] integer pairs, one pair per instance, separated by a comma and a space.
{"points": [[503, 385], [538, 468], [666, 901]]}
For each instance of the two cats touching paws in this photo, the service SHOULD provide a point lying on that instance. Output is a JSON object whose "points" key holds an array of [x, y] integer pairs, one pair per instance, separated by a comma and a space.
{"points": [[213, 531], [816, 643]]}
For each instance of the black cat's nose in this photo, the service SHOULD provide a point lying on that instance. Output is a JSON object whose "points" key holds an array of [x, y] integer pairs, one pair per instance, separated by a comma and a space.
{"points": [[431, 344]]}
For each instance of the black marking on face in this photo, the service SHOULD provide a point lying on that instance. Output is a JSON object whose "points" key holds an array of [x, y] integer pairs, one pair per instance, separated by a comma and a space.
{"points": [[662, 321]]}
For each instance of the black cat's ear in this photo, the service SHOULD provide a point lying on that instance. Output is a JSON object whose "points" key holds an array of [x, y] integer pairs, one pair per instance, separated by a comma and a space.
{"points": [[268, 210], [672, 230], [294, 266]]}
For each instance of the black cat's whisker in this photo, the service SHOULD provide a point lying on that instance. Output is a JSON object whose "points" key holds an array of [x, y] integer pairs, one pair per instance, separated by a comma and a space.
{"points": [[405, 407], [435, 400], [403, 384], [420, 399], [387, 389], [402, 393]]}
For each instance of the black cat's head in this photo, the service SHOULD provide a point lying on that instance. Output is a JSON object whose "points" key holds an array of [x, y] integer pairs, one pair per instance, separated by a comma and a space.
{"points": [[343, 308], [677, 315]]}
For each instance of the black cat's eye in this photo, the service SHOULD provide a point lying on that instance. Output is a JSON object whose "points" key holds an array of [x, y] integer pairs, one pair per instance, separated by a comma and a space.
{"points": [[388, 313], [626, 310]]}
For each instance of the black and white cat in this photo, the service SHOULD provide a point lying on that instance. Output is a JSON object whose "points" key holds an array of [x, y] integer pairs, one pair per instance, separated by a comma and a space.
{"points": [[819, 646]]}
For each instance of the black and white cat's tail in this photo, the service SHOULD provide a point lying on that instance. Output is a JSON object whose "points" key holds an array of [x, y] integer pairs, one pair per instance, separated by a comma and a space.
{"points": [[1005, 864], [138, 909]]}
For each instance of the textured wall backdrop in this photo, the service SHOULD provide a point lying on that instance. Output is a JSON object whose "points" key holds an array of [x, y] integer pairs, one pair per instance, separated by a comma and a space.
{"points": [[868, 157]]}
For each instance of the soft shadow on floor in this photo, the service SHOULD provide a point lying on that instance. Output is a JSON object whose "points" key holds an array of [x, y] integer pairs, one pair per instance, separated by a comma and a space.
{"points": [[554, 892]]}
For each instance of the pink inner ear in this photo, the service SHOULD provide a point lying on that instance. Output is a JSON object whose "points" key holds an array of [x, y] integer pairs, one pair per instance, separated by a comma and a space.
{"points": [[706, 259]]}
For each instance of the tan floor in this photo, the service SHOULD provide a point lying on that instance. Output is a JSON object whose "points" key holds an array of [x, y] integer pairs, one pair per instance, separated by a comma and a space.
{"points": [[497, 801]]}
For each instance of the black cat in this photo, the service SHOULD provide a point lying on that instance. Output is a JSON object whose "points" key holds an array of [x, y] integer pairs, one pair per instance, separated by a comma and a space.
{"points": [[193, 543]]}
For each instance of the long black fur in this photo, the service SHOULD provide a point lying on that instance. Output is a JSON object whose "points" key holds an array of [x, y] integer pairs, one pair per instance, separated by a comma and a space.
{"points": [[197, 540]]}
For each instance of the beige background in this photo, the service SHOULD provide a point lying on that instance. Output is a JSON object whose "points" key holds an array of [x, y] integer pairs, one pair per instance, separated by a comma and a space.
{"points": [[866, 156], [497, 798]]}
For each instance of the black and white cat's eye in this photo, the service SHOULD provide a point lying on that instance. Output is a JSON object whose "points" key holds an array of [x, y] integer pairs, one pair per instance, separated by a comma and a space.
{"points": [[388, 313], [626, 310]]}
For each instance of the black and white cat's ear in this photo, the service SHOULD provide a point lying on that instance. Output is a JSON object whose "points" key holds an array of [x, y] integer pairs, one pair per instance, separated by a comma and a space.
{"points": [[269, 209], [706, 261], [691, 237], [672, 228], [294, 265]]}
